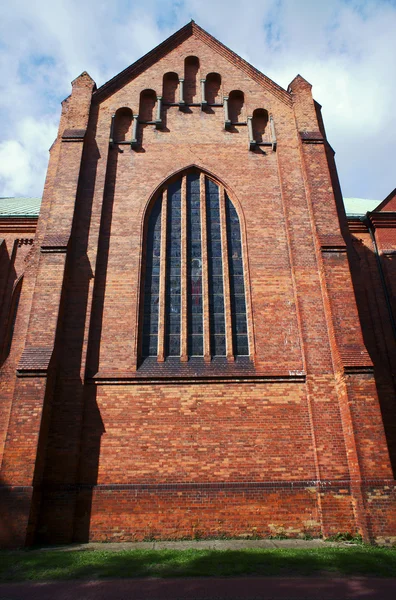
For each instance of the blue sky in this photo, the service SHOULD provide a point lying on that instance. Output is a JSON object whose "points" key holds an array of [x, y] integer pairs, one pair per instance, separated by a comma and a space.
{"points": [[345, 48]]}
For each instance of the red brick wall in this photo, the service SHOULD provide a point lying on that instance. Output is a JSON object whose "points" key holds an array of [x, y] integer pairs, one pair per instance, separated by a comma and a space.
{"points": [[111, 457], [376, 324], [16, 252]]}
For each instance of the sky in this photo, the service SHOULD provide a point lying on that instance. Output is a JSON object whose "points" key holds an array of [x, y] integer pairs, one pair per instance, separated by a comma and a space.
{"points": [[345, 48]]}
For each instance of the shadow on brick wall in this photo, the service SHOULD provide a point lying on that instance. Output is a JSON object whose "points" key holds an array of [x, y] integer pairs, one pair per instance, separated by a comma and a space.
{"points": [[74, 414], [374, 315], [9, 297], [14, 512], [378, 334]]}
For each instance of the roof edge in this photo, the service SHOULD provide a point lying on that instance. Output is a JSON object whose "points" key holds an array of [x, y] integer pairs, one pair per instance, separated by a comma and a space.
{"points": [[172, 42], [138, 66], [387, 199], [243, 64]]}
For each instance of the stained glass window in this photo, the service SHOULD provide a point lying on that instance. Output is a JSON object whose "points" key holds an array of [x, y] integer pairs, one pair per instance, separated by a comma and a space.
{"points": [[237, 284], [173, 270], [195, 243], [151, 287], [215, 270], [194, 267]]}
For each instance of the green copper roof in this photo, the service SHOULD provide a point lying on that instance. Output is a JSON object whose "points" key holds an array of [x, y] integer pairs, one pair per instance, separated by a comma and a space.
{"points": [[20, 207], [359, 206], [30, 207]]}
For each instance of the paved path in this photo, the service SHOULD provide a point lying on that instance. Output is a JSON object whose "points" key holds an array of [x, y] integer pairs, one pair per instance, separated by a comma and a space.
{"points": [[214, 588]]}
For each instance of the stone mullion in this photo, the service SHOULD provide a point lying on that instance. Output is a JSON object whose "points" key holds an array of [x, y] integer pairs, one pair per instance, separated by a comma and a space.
{"points": [[226, 277], [205, 275], [183, 282], [162, 287]]}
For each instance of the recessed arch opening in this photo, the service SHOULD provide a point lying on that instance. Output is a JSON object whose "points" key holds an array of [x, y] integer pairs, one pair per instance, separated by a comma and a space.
{"points": [[147, 105], [170, 86], [122, 129], [259, 124], [191, 74], [213, 88], [236, 103]]}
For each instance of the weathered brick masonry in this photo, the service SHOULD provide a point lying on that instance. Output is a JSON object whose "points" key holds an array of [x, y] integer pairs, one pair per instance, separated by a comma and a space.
{"points": [[99, 442]]}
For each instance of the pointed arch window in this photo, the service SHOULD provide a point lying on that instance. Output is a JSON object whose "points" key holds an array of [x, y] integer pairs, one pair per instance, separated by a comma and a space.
{"points": [[194, 301]]}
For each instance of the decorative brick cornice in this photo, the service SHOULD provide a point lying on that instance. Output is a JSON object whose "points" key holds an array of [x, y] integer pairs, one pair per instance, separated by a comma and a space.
{"points": [[332, 243], [321, 485], [311, 137], [24, 242], [111, 378], [55, 243], [196, 371], [357, 225], [355, 359], [18, 224], [209, 486], [34, 361], [383, 220], [73, 135]]}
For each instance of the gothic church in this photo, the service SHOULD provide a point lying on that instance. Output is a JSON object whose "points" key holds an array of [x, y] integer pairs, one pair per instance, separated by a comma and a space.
{"points": [[195, 340]]}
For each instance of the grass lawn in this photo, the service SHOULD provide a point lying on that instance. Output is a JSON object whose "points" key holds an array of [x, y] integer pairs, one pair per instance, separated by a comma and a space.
{"points": [[48, 565]]}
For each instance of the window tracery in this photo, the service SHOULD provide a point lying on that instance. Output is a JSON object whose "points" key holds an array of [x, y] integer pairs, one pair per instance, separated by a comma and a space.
{"points": [[194, 292]]}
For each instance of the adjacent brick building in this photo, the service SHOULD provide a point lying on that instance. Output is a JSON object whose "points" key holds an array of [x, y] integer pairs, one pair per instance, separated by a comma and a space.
{"points": [[195, 340]]}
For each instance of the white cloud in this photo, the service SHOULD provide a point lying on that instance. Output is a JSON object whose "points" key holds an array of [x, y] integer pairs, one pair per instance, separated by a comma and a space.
{"points": [[345, 48], [23, 160]]}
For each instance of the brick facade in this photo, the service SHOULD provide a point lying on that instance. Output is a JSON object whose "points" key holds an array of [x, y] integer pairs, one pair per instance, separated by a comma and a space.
{"points": [[96, 444]]}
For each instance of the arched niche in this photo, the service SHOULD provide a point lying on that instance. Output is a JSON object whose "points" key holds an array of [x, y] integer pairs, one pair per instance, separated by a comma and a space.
{"points": [[170, 86], [236, 103], [259, 124], [147, 105], [191, 73], [122, 129], [213, 88]]}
